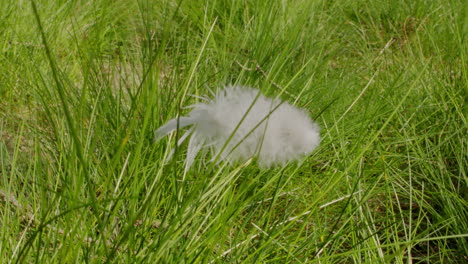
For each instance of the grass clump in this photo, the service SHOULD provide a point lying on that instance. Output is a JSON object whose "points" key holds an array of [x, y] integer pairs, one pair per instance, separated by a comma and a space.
{"points": [[84, 85]]}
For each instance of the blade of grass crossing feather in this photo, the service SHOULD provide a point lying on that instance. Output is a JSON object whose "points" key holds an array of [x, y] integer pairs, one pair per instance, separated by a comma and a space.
{"points": [[218, 155], [189, 81]]}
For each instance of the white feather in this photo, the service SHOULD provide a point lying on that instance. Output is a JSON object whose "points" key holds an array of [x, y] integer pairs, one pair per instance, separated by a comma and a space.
{"points": [[239, 123]]}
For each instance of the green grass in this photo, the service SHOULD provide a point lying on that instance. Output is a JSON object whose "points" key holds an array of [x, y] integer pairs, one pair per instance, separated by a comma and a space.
{"points": [[84, 85]]}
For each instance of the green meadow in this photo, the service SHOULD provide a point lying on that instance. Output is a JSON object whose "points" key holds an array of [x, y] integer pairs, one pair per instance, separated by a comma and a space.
{"points": [[85, 84]]}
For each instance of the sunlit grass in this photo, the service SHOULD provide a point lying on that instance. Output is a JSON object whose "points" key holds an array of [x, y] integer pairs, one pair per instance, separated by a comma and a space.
{"points": [[82, 179]]}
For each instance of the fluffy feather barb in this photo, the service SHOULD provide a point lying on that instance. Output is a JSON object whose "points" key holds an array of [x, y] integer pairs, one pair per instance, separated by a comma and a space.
{"points": [[240, 123]]}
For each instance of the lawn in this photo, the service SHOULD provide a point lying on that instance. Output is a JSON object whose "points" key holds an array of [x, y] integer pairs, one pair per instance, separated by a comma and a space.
{"points": [[84, 85]]}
